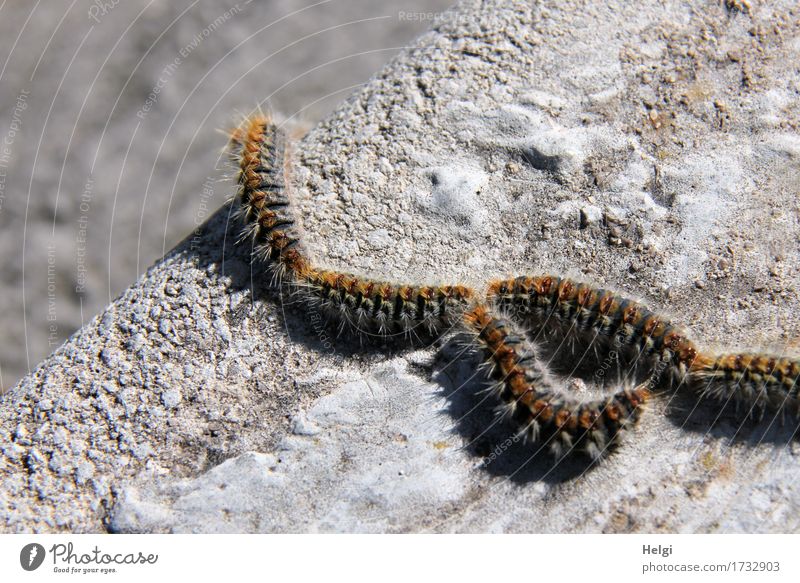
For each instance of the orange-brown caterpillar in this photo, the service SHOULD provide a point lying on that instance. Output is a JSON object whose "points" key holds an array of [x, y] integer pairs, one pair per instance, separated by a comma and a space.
{"points": [[570, 319], [264, 204], [526, 387], [589, 322], [382, 308], [265, 208]]}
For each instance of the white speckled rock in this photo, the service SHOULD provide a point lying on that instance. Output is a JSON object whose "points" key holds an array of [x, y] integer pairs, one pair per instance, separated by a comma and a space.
{"points": [[651, 148]]}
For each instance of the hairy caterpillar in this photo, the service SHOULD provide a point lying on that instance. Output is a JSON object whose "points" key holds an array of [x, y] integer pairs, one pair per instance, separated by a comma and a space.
{"points": [[264, 205], [526, 387], [381, 308], [758, 381], [574, 321], [265, 209], [586, 321], [589, 322]]}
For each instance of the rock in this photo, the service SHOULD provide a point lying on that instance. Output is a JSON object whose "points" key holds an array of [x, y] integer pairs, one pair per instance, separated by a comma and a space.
{"points": [[336, 434]]}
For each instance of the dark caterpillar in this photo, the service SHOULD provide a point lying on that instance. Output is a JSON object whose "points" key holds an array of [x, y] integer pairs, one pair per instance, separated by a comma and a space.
{"points": [[383, 308], [525, 386], [588, 322], [572, 320]]}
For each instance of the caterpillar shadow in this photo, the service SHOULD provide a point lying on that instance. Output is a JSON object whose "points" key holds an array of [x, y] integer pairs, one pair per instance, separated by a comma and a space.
{"points": [[214, 246], [724, 421], [488, 437]]}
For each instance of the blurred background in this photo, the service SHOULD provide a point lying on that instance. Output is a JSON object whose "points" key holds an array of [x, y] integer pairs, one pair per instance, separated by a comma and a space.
{"points": [[110, 146]]}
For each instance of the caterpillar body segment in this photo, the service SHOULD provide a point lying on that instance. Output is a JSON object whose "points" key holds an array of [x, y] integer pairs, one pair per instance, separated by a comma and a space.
{"points": [[757, 382], [259, 147], [384, 308]]}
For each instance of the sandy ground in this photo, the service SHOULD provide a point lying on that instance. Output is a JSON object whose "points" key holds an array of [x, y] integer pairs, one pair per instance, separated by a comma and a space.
{"points": [[100, 118], [651, 149]]}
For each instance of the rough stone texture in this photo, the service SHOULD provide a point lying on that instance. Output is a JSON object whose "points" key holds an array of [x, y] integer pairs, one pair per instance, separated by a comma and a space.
{"points": [[651, 148]]}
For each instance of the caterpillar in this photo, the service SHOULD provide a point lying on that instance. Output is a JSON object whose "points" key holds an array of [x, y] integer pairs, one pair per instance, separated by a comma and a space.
{"points": [[532, 402], [759, 381], [266, 212], [583, 320], [587, 320], [264, 205], [381, 308], [570, 321]]}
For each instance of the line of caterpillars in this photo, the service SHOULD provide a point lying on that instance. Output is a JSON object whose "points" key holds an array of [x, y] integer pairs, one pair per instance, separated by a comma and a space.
{"points": [[587, 322]]}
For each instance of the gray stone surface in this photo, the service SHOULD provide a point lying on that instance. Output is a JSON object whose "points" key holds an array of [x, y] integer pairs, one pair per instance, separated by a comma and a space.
{"points": [[653, 149]]}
